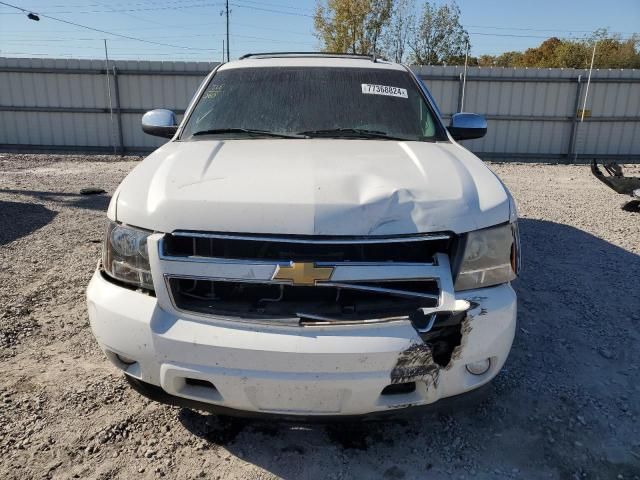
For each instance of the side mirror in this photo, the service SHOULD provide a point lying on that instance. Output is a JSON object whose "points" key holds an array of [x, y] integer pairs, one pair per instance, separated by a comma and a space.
{"points": [[465, 126], [160, 122]]}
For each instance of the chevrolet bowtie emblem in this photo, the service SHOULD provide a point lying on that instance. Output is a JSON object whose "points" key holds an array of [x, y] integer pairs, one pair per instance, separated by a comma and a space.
{"points": [[303, 273]]}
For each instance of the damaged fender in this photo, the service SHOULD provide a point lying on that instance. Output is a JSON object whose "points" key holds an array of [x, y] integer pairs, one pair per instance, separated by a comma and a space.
{"points": [[417, 362]]}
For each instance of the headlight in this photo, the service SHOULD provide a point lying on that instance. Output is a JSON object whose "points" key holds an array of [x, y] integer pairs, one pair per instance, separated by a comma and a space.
{"points": [[125, 256], [491, 256]]}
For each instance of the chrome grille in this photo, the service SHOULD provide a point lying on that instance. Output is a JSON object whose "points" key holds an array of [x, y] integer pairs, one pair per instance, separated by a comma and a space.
{"points": [[401, 248], [372, 278]]}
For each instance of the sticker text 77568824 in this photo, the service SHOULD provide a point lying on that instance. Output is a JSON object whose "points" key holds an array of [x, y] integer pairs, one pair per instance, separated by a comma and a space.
{"points": [[384, 90]]}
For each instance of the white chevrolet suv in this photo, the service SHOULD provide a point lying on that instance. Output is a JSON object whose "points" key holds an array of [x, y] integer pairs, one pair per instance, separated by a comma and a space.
{"points": [[311, 242]]}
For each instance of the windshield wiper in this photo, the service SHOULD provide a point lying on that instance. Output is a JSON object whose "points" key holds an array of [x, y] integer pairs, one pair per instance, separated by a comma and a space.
{"points": [[249, 131], [351, 132]]}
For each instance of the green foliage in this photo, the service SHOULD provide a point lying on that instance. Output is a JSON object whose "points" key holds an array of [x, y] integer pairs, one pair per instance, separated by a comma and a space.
{"points": [[434, 36], [395, 38], [351, 26], [439, 37], [506, 59], [611, 52]]}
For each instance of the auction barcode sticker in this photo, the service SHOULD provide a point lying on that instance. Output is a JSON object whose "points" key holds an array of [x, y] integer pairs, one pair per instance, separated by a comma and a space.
{"points": [[384, 90]]}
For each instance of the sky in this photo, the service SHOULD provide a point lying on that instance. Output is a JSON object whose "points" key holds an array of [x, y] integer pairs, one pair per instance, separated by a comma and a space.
{"points": [[195, 29]]}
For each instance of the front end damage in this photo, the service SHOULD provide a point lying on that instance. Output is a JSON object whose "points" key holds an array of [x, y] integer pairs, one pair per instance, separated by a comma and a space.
{"points": [[444, 350], [249, 335], [441, 330]]}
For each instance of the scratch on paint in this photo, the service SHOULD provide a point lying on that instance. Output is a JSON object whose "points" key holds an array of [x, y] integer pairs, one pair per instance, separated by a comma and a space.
{"points": [[415, 363], [465, 329]]}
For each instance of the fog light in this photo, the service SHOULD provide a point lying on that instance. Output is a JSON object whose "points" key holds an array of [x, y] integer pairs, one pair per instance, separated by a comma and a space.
{"points": [[125, 360], [479, 368]]}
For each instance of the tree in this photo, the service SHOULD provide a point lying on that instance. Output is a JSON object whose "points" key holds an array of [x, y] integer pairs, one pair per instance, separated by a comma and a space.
{"points": [[571, 55], [611, 52], [542, 56], [351, 26], [439, 37], [506, 59], [435, 36], [396, 36]]}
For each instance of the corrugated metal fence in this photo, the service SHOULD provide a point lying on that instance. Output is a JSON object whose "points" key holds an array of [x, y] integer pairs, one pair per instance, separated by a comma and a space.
{"points": [[532, 113], [65, 105], [59, 104]]}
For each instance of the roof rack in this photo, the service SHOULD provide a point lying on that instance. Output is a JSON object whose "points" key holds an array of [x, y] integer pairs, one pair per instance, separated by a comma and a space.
{"points": [[373, 58]]}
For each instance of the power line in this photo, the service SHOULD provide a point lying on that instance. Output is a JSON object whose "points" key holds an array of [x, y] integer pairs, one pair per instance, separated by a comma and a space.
{"points": [[99, 4], [143, 19], [124, 10], [205, 3], [251, 7], [208, 24], [181, 6], [107, 32], [240, 38], [546, 37], [117, 3], [282, 30], [277, 5], [488, 34], [94, 57], [227, 13], [557, 30], [29, 39], [18, 33]]}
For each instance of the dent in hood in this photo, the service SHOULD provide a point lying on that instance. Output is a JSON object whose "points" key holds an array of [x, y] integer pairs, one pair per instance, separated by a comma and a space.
{"points": [[312, 187]]}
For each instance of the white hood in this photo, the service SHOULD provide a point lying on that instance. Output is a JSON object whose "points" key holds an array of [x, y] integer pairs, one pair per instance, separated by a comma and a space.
{"points": [[312, 187]]}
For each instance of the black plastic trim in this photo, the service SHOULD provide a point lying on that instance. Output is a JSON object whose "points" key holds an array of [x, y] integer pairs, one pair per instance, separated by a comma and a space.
{"points": [[441, 134], [309, 54], [126, 285], [456, 402]]}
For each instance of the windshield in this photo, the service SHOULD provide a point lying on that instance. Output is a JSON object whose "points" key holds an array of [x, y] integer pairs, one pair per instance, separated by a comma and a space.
{"points": [[316, 102]]}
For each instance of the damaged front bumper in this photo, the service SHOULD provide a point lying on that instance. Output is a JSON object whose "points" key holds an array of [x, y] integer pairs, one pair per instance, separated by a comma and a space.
{"points": [[320, 370]]}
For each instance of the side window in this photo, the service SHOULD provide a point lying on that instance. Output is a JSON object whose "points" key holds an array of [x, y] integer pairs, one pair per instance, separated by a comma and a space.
{"points": [[426, 122], [430, 97]]}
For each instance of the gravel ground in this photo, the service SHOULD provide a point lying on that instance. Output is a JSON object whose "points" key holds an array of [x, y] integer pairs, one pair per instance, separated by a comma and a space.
{"points": [[565, 406]]}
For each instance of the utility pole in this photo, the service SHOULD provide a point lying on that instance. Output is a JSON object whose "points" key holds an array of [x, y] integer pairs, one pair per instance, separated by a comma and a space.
{"points": [[586, 93], [227, 11], [464, 77], [584, 104], [106, 67]]}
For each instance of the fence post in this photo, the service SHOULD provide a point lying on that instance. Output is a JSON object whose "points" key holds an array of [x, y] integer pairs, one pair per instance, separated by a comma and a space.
{"points": [[574, 122], [460, 90], [118, 110]]}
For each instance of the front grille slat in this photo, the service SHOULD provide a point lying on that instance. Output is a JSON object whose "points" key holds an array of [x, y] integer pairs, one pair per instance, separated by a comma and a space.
{"points": [[390, 288], [373, 279], [252, 300], [420, 248]]}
